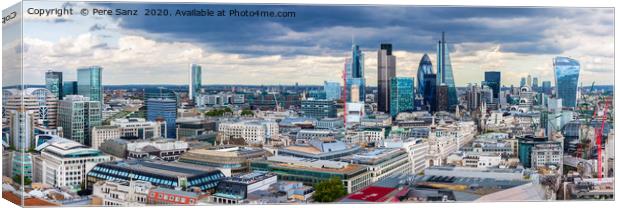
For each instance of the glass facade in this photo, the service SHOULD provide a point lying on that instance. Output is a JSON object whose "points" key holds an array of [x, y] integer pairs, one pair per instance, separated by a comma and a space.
{"points": [[319, 108], [89, 83], [69, 88], [77, 116], [401, 97], [332, 90], [566, 80], [53, 82], [425, 67], [386, 70], [444, 71], [163, 108], [493, 80], [195, 81], [354, 68]]}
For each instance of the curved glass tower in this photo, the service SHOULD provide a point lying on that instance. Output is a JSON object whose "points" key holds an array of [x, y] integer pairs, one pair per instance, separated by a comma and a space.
{"points": [[566, 80], [425, 67]]}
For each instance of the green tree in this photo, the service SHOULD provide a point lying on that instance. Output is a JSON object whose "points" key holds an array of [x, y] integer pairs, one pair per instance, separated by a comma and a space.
{"points": [[247, 112], [329, 190]]}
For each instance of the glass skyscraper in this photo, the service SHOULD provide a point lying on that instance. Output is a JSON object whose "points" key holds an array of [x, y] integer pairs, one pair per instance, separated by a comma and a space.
{"points": [[493, 80], [444, 71], [354, 73], [332, 90], [77, 115], [546, 87], [401, 97], [430, 90], [425, 67], [53, 82], [195, 80], [566, 80], [163, 108], [89, 83], [69, 88], [386, 70]]}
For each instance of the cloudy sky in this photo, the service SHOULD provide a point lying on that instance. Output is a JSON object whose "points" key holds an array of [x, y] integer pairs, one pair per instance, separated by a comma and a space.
{"points": [[312, 46]]}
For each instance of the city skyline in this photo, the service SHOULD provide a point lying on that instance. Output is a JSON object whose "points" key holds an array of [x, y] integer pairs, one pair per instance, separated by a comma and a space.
{"points": [[307, 50]]}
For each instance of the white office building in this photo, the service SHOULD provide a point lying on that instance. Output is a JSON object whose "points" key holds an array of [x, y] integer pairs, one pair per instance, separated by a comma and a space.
{"points": [[252, 131], [121, 193], [65, 162]]}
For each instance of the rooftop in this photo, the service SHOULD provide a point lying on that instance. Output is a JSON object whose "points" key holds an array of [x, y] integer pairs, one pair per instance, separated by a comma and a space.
{"points": [[171, 169]]}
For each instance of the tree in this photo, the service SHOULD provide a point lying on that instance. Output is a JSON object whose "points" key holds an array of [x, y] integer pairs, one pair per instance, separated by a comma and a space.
{"points": [[329, 190], [247, 112]]}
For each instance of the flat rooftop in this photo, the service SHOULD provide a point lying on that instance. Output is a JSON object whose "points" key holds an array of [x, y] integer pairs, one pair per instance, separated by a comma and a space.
{"points": [[172, 169]]}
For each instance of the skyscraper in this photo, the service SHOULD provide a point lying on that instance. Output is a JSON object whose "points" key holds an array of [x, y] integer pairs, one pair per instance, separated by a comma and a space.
{"points": [[529, 80], [53, 82], [546, 87], [386, 70], [442, 98], [522, 83], [401, 97], [425, 67], [535, 84], [566, 80], [493, 80], [163, 108], [77, 116], [430, 90], [444, 71], [69, 88], [195, 81], [354, 74], [332, 90], [89, 83]]}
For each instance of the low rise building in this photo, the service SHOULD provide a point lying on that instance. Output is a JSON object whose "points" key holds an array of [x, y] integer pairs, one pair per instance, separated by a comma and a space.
{"points": [[234, 190], [322, 149], [64, 162], [234, 158], [252, 131], [159, 173], [383, 162], [120, 193], [354, 177]]}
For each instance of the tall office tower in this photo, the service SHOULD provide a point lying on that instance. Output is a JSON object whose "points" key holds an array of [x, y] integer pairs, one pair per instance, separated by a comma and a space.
{"points": [[195, 81], [332, 90], [53, 82], [162, 92], [425, 67], [529, 80], [386, 70], [566, 80], [89, 83], [473, 97], [354, 73], [77, 116], [522, 83], [430, 91], [22, 129], [163, 108], [444, 70], [535, 84], [546, 87], [401, 97], [493, 80], [69, 88], [442, 102]]}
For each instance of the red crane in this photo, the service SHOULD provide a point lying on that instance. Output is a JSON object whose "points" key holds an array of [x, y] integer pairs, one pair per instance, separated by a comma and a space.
{"points": [[599, 136]]}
